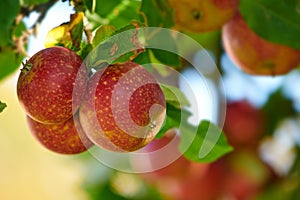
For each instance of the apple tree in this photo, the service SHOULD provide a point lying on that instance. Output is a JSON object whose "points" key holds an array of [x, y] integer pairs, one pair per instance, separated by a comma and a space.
{"points": [[121, 57]]}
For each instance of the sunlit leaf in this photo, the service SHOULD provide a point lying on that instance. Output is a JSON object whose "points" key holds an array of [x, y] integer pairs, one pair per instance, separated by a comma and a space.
{"points": [[123, 45], [117, 13], [277, 22], [174, 96], [207, 144], [68, 34], [102, 33]]}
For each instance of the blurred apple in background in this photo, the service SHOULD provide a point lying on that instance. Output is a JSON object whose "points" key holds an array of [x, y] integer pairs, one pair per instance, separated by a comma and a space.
{"points": [[255, 55], [168, 179], [239, 175], [244, 124]]}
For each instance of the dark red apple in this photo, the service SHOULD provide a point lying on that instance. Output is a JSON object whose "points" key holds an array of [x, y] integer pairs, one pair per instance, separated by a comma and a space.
{"points": [[64, 138], [173, 171], [46, 82], [124, 107], [170, 179], [244, 124]]}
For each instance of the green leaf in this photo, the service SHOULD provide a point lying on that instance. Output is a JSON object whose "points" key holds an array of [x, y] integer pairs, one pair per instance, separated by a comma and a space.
{"points": [[207, 144], [277, 108], [278, 22], [2, 106], [19, 29], [174, 96], [68, 34], [10, 61], [34, 2], [103, 33], [123, 45], [85, 50], [144, 58], [90, 5], [124, 13], [104, 7], [164, 39], [8, 11], [156, 13], [174, 116], [117, 13]]}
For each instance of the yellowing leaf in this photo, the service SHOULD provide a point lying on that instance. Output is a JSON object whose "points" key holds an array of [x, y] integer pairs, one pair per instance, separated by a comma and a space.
{"points": [[56, 35], [68, 34]]}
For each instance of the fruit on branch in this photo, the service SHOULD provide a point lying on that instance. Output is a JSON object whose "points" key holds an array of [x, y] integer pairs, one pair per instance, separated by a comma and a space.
{"points": [[255, 55], [244, 124], [124, 107], [46, 82], [202, 16], [65, 138]]}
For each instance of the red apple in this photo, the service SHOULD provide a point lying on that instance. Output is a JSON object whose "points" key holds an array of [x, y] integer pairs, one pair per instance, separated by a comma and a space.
{"points": [[64, 138], [247, 175], [124, 107], [255, 55], [207, 185], [202, 16], [170, 179], [46, 82], [173, 171], [244, 124]]}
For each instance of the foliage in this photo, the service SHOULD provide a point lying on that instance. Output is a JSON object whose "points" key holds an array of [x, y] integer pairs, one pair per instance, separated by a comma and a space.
{"points": [[97, 23]]}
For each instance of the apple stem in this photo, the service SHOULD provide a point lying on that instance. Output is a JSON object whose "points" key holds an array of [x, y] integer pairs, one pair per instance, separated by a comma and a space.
{"points": [[26, 67], [196, 14]]}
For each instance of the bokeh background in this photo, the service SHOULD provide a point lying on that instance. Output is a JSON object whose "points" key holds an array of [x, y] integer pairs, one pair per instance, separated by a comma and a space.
{"points": [[28, 171]]}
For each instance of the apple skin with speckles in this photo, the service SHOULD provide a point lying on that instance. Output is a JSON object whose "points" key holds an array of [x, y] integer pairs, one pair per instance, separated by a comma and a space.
{"points": [[123, 109], [202, 16], [64, 138], [46, 82], [255, 55]]}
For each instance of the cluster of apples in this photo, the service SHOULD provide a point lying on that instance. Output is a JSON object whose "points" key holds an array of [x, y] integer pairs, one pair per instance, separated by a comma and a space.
{"points": [[68, 111], [250, 52]]}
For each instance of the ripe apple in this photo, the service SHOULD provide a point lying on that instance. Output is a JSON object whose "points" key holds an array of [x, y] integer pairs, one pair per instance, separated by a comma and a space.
{"points": [[46, 82], [202, 16], [64, 138], [170, 179], [244, 124], [176, 170], [247, 175], [124, 107], [255, 55], [208, 186]]}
